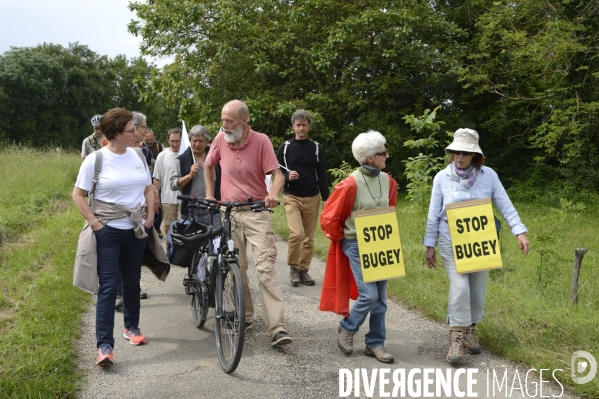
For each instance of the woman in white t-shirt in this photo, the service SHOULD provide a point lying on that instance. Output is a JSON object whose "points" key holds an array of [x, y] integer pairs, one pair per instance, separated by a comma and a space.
{"points": [[121, 216]]}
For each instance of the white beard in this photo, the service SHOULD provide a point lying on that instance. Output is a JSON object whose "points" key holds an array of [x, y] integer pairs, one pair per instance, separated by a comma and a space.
{"points": [[233, 136]]}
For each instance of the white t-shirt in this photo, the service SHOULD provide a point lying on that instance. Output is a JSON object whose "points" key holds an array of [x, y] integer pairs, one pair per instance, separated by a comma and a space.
{"points": [[121, 181], [164, 168]]}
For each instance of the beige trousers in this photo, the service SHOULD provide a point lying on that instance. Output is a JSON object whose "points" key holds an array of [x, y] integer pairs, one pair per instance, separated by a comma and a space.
{"points": [[302, 217], [255, 228]]}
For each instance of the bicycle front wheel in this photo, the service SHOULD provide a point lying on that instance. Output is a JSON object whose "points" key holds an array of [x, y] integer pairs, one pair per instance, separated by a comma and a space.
{"points": [[230, 324]]}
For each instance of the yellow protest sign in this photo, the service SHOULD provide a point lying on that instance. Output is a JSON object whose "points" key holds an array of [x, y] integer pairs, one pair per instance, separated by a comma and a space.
{"points": [[381, 255], [473, 236]]}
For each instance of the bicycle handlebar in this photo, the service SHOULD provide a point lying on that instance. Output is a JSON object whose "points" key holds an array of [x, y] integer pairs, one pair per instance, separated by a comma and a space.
{"points": [[255, 206]]}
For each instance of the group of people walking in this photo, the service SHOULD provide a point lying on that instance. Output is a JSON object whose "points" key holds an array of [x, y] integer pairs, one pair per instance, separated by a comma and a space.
{"points": [[233, 167]]}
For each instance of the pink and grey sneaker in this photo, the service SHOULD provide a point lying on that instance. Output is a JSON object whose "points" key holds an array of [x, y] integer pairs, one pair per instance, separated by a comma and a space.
{"points": [[104, 356], [134, 336]]}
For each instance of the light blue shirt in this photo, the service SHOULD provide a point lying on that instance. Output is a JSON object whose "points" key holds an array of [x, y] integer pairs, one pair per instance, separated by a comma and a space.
{"points": [[447, 191]]}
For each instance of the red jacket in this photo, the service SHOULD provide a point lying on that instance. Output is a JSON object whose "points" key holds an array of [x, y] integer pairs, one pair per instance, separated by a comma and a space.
{"points": [[338, 284]]}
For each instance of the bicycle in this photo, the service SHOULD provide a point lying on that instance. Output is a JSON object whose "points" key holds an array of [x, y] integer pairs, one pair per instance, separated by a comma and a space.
{"points": [[220, 285]]}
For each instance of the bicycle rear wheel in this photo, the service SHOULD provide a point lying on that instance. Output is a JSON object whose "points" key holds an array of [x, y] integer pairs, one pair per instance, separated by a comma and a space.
{"points": [[230, 325]]}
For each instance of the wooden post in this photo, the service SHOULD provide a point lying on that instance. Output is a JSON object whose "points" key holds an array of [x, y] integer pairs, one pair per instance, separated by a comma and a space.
{"points": [[578, 255]]}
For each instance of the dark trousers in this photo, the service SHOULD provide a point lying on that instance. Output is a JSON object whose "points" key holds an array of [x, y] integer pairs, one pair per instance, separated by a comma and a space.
{"points": [[119, 258]]}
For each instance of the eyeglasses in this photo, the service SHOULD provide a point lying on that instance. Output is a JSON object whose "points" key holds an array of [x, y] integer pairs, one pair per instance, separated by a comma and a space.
{"points": [[464, 153], [383, 153], [132, 131], [144, 127]]}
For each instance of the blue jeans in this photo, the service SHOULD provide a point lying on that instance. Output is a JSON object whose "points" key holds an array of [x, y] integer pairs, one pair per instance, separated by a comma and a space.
{"points": [[119, 255], [372, 297]]}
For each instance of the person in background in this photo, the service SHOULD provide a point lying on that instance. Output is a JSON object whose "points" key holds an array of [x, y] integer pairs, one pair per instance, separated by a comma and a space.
{"points": [[163, 170], [246, 157], [302, 164], [121, 216], [366, 188], [94, 141], [464, 179], [189, 174], [154, 146]]}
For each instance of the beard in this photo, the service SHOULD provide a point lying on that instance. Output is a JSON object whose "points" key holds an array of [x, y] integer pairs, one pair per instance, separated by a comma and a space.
{"points": [[233, 136]]}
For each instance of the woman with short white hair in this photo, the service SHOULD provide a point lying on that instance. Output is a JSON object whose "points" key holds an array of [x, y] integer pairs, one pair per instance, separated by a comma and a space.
{"points": [[366, 188]]}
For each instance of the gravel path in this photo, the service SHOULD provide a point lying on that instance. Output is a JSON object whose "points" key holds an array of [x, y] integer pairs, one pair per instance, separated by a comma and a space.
{"points": [[180, 361]]}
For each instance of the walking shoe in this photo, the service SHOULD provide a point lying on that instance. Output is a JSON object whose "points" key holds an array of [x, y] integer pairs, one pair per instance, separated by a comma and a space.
{"points": [[281, 338], [294, 276], [143, 295], [134, 336], [104, 356], [380, 353], [305, 278], [455, 350], [248, 326], [345, 340], [469, 343], [118, 306]]}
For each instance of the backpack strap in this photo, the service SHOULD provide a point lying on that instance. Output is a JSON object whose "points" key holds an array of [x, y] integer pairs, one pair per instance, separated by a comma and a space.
{"points": [[97, 170], [141, 155]]}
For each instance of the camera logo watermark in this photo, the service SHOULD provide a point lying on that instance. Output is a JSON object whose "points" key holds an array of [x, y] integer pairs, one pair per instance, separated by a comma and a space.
{"points": [[579, 367]]}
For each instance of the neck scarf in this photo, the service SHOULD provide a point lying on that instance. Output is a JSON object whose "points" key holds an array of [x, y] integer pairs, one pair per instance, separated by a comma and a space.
{"points": [[466, 177], [374, 171]]}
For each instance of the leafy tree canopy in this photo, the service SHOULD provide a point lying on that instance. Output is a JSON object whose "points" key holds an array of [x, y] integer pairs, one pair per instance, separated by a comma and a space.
{"points": [[48, 93]]}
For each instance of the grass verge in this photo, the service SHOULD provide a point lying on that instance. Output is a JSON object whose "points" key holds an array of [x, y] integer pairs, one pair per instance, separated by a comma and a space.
{"points": [[40, 311]]}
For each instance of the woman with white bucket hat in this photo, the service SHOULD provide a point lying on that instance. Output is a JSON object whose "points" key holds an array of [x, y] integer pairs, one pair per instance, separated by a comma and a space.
{"points": [[464, 179]]}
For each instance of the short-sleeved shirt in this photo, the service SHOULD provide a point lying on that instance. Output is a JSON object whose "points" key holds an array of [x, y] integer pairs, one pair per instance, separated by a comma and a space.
{"points": [[89, 145], [164, 168], [122, 181], [243, 169]]}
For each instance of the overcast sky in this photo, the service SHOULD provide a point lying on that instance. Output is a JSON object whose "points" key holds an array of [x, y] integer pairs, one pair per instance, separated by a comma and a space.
{"points": [[99, 24]]}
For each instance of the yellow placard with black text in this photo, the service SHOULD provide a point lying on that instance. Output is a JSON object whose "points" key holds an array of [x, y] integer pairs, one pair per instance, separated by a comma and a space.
{"points": [[379, 243], [473, 236]]}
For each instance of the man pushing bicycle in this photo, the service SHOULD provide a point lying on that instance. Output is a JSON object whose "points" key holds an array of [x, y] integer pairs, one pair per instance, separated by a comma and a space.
{"points": [[246, 157]]}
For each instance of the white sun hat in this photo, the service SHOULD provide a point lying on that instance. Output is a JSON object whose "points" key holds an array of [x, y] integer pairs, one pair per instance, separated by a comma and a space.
{"points": [[465, 140]]}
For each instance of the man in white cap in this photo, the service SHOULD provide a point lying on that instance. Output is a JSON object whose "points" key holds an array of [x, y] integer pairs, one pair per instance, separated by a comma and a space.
{"points": [[94, 141]]}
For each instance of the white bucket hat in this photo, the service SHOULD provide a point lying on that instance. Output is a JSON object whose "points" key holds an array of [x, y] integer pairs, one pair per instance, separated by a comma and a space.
{"points": [[465, 140]]}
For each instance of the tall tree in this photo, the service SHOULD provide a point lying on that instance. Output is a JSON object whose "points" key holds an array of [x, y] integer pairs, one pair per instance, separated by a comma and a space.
{"points": [[538, 64], [48, 93], [355, 65]]}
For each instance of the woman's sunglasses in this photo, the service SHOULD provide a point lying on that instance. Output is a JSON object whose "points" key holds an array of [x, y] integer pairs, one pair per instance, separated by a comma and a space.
{"points": [[464, 153]]}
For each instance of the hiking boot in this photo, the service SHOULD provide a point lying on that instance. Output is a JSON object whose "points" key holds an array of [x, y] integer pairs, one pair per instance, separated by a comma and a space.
{"points": [[469, 342], [294, 276], [281, 338], [455, 350], [104, 356], [380, 353], [305, 278], [345, 341], [134, 336], [143, 295]]}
